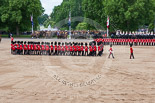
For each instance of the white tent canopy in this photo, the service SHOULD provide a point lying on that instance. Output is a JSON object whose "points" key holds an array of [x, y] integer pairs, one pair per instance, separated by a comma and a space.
{"points": [[42, 28]]}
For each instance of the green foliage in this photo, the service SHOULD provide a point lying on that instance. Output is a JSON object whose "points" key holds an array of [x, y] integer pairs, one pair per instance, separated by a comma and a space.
{"points": [[42, 19], [124, 14], [61, 12], [129, 14], [15, 14], [82, 26], [49, 22]]}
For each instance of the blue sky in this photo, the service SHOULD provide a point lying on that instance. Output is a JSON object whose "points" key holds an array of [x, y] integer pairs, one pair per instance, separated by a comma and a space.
{"points": [[49, 5]]}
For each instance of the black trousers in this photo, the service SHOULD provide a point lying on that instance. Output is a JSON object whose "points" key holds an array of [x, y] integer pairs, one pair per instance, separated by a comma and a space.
{"points": [[82, 53], [111, 54], [86, 53], [79, 53], [100, 53], [131, 55]]}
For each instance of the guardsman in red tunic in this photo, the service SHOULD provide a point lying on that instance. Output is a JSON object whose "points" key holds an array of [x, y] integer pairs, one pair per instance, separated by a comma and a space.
{"points": [[31, 49], [139, 41], [71, 49], [42, 48], [59, 48], [13, 47], [15, 44], [12, 44], [21, 48], [135, 42], [86, 49], [18, 48], [90, 49], [149, 42], [35, 48], [100, 49], [131, 51], [63, 49], [82, 49], [12, 39], [28, 47], [94, 49], [144, 40], [153, 41], [75, 49], [47, 49], [126, 41], [67, 48], [111, 52], [25, 49], [79, 49], [55, 49], [52, 48], [39, 48]]}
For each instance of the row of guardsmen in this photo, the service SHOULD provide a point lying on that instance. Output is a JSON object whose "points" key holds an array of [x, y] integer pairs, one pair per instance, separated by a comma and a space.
{"points": [[134, 35], [56, 48], [144, 42]]}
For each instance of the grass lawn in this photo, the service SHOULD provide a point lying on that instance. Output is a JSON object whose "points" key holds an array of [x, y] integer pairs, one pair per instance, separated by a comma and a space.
{"points": [[15, 36]]}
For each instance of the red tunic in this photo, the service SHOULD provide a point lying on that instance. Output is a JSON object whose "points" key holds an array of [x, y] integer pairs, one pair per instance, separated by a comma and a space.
{"points": [[63, 48], [35, 47], [75, 48], [31, 47], [90, 48], [55, 48], [86, 48], [18, 46], [12, 47], [21, 47], [25, 47], [28, 46], [47, 47], [131, 50], [51, 47], [110, 50], [82, 48], [42, 47], [95, 48], [71, 48], [79, 48], [38, 47], [59, 48], [66, 47]]}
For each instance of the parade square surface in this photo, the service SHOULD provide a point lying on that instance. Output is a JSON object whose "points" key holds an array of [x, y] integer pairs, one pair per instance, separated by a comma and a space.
{"points": [[73, 79]]}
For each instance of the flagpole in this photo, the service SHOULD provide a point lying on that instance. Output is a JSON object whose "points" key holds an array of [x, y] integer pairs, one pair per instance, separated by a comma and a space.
{"points": [[107, 32], [32, 22], [107, 26], [70, 25]]}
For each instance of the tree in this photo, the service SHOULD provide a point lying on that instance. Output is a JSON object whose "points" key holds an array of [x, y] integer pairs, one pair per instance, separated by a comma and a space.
{"points": [[81, 26], [42, 19], [16, 14], [61, 12], [129, 14], [124, 14], [94, 10], [49, 22]]}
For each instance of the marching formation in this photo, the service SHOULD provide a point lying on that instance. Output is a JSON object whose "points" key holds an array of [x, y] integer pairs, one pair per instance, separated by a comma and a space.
{"points": [[57, 48], [141, 42]]}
